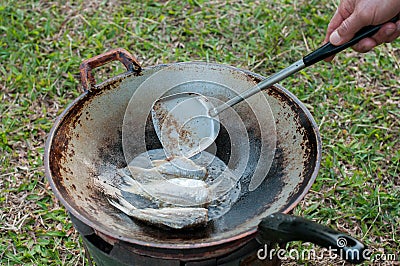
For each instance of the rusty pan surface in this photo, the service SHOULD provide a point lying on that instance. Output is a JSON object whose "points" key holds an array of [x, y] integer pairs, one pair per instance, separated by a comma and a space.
{"points": [[87, 138]]}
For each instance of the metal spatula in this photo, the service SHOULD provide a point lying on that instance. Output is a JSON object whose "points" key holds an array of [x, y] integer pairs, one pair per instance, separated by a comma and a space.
{"points": [[187, 123], [183, 124]]}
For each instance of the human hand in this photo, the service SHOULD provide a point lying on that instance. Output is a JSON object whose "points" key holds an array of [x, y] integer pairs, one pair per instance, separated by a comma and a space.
{"points": [[352, 15]]}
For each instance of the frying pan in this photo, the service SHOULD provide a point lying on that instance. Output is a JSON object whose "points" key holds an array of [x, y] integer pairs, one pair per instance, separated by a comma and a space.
{"points": [[102, 130]]}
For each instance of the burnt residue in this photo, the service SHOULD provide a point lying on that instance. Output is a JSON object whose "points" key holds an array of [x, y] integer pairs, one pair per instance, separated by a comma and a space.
{"points": [[171, 234], [259, 200], [255, 145], [168, 125], [249, 207], [223, 143], [111, 151], [309, 141], [253, 78], [310, 156], [62, 148], [57, 156], [151, 138], [63, 134]]}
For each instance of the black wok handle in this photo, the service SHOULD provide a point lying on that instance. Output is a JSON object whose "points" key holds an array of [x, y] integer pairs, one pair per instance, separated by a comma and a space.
{"points": [[118, 54], [329, 49], [282, 228]]}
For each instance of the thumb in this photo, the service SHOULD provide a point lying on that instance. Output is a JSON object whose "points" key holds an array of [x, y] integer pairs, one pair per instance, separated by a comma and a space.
{"points": [[346, 30]]}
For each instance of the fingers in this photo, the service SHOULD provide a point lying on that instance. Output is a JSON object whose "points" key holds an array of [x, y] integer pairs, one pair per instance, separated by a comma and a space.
{"points": [[388, 33], [345, 31], [335, 22], [365, 45]]}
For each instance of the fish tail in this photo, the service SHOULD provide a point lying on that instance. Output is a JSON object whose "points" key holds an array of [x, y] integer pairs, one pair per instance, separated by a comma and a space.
{"points": [[125, 203], [132, 186], [119, 206]]}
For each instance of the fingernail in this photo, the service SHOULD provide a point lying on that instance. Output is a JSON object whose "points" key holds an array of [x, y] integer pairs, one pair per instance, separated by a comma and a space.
{"points": [[335, 38], [389, 31]]}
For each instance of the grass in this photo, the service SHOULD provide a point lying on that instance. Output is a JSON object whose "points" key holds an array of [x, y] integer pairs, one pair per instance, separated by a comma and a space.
{"points": [[355, 102]]}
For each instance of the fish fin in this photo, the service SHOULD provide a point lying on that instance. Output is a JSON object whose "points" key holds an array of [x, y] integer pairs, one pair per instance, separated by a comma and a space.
{"points": [[119, 206], [131, 185], [106, 188], [125, 203], [129, 181]]}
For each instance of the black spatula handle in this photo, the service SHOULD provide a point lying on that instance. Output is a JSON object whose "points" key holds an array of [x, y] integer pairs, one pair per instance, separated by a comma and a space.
{"points": [[329, 49]]}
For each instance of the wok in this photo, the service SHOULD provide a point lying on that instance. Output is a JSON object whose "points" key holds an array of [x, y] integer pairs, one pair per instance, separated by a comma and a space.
{"points": [[104, 129]]}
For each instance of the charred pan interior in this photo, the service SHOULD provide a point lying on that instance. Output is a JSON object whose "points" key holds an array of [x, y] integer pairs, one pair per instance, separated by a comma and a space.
{"points": [[89, 137]]}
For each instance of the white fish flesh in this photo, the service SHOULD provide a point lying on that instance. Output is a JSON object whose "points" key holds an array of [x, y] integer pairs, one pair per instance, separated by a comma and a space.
{"points": [[180, 166], [175, 191], [171, 217], [165, 169]]}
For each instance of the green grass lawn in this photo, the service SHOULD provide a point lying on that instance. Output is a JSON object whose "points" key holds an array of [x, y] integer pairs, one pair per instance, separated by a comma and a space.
{"points": [[355, 101]]}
